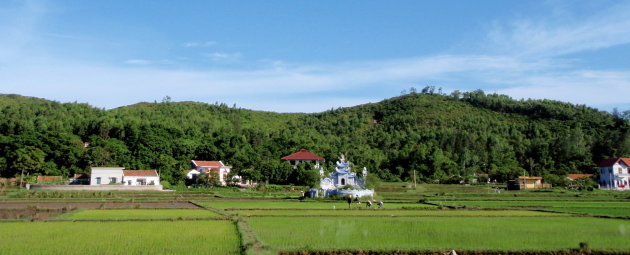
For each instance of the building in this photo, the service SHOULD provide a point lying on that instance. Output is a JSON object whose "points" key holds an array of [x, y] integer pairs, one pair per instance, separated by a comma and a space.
{"points": [[49, 179], [344, 182], [527, 182], [202, 166], [106, 175], [613, 173], [303, 156], [120, 176], [573, 177], [140, 177]]}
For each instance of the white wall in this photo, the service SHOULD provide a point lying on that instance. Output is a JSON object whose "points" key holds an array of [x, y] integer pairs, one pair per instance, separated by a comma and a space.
{"points": [[134, 180], [105, 173]]}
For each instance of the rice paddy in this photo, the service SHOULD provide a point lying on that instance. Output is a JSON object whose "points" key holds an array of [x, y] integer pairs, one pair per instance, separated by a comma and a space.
{"points": [[126, 214], [434, 218], [120, 237]]}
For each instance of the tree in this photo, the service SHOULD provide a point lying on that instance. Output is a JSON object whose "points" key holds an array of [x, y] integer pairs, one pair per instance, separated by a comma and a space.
{"points": [[29, 159]]}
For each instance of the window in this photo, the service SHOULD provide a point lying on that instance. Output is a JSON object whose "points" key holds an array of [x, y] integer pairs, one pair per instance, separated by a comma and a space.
{"points": [[98, 180], [619, 170], [343, 181], [142, 181], [112, 179]]}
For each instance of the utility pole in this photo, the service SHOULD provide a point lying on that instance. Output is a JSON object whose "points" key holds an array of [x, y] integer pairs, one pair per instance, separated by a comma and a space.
{"points": [[414, 179], [22, 178]]}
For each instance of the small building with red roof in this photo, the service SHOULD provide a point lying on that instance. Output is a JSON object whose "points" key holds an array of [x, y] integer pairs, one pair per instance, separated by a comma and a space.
{"points": [[206, 166], [613, 173], [303, 156], [574, 177]]}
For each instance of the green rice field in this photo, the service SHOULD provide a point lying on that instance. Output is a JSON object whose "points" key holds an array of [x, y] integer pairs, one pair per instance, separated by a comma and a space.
{"points": [[441, 233], [304, 205], [391, 213], [124, 214], [436, 218], [120, 237]]}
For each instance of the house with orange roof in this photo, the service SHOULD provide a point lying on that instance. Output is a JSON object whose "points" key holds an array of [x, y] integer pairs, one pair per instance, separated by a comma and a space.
{"points": [[573, 177], [204, 166], [613, 173]]}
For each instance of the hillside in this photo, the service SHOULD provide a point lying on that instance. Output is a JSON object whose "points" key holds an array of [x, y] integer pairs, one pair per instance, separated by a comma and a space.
{"points": [[444, 138]]}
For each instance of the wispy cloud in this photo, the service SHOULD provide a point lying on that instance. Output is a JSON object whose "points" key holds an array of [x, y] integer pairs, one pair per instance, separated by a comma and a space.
{"points": [[559, 35], [200, 44], [222, 56], [138, 62]]}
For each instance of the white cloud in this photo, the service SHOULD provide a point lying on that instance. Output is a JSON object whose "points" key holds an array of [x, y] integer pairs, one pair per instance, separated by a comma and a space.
{"points": [[138, 62], [222, 56], [200, 44], [559, 35]]}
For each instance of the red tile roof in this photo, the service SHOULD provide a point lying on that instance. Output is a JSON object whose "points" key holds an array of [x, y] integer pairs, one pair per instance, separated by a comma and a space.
{"points": [[81, 176], [303, 154], [48, 178], [210, 164], [140, 173], [578, 176], [612, 161]]}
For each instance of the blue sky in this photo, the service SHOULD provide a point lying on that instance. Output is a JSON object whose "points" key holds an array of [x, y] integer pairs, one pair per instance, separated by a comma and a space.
{"points": [[310, 56]]}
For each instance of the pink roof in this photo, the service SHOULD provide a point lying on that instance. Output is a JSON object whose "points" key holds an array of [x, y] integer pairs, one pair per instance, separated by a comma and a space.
{"points": [[303, 154], [139, 173], [578, 176], [210, 164], [612, 161]]}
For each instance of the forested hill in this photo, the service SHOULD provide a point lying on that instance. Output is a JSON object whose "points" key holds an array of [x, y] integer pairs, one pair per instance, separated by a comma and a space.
{"points": [[444, 138]]}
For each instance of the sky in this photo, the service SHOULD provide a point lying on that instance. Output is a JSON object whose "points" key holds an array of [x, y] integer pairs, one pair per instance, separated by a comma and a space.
{"points": [[312, 56]]}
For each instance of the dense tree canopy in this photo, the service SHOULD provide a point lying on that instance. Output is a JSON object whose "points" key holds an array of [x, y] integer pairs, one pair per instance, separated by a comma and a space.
{"points": [[441, 137]]}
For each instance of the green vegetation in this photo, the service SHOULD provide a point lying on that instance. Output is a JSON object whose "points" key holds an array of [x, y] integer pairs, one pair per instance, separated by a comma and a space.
{"points": [[120, 214], [120, 237], [394, 212], [440, 233], [299, 205], [444, 138]]}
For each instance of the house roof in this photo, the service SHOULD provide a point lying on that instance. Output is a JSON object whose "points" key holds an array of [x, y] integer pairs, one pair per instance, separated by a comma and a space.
{"points": [[612, 161], [48, 178], [81, 176], [578, 176], [210, 164], [530, 178], [140, 173], [303, 154]]}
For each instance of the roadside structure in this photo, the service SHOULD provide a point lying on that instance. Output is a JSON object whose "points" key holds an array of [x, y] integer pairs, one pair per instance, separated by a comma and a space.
{"points": [[613, 174], [303, 156], [527, 182]]}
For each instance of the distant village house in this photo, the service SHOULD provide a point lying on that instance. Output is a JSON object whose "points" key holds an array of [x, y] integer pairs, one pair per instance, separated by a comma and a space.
{"points": [[613, 174], [118, 175], [527, 182], [303, 156]]}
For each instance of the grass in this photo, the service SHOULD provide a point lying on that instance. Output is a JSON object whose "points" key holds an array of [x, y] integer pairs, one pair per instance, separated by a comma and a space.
{"points": [[441, 233], [126, 214], [124, 237], [388, 213], [301, 205]]}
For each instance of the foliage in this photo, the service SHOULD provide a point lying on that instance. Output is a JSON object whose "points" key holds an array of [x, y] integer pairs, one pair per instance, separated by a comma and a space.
{"points": [[442, 137]]}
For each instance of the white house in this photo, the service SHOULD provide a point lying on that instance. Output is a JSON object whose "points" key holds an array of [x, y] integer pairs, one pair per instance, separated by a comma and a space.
{"points": [[201, 166], [106, 175], [118, 175], [140, 177], [613, 173]]}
